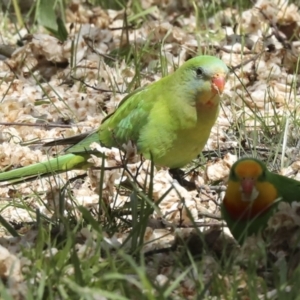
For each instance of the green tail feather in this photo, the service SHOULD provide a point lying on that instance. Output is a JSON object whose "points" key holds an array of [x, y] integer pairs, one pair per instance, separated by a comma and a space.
{"points": [[53, 166]]}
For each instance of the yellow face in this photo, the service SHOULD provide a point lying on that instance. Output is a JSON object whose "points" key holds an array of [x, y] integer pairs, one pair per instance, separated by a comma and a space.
{"points": [[248, 172], [248, 193]]}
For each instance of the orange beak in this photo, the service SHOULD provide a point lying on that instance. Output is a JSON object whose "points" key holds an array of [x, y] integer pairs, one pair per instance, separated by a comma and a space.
{"points": [[218, 83], [247, 185]]}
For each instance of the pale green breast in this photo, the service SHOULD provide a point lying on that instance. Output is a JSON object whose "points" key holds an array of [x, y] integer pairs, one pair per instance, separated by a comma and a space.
{"points": [[174, 140]]}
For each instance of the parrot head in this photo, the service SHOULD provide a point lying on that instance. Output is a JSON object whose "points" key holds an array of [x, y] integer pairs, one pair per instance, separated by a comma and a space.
{"points": [[250, 191], [248, 173], [205, 76]]}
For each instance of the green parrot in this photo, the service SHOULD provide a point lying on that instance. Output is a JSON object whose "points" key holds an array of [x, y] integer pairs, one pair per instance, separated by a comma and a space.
{"points": [[252, 195], [169, 121]]}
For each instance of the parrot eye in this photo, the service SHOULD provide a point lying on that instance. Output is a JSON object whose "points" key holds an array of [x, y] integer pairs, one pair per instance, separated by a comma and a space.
{"points": [[199, 71]]}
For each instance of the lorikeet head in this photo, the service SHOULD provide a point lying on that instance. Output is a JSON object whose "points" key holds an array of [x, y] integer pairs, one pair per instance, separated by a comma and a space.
{"points": [[250, 191], [248, 172]]}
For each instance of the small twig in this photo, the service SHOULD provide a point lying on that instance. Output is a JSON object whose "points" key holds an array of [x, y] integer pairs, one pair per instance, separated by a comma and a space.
{"points": [[218, 48], [108, 168], [93, 87], [88, 41], [69, 181], [161, 250], [276, 31], [123, 27], [206, 224], [209, 215], [213, 188], [258, 148], [47, 125], [245, 62], [210, 198]]}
